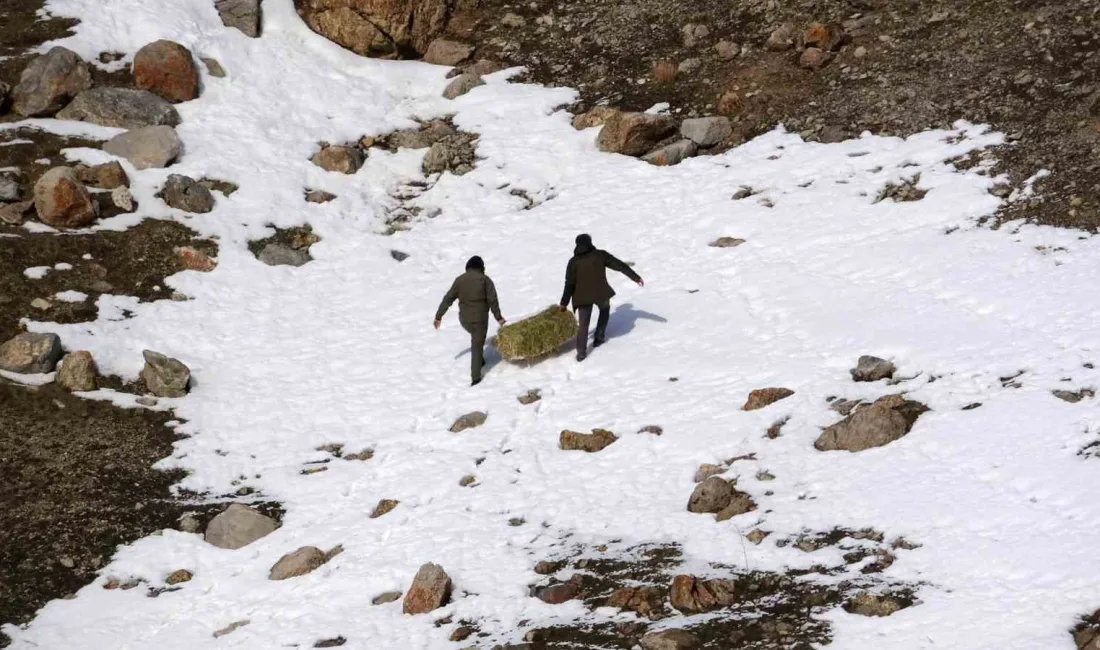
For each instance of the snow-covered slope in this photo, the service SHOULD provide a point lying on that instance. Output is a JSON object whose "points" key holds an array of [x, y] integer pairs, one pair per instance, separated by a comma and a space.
{"points": [[342, 351]]}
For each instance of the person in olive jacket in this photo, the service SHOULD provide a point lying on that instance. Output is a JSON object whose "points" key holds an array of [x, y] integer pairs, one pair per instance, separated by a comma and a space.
{"points": [[477, 296], [586, 285]]}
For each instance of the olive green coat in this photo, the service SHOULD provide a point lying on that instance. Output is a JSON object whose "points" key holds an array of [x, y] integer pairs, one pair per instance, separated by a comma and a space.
{"points": [[476, 295]]}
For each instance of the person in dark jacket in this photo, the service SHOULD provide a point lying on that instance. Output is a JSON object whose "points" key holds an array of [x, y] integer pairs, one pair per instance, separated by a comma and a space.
{"points": [[586, 285], [477, 296]]}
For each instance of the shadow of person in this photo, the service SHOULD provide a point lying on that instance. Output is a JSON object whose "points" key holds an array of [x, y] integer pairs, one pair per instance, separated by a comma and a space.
{"points": [[625, 316], [492, 357]]}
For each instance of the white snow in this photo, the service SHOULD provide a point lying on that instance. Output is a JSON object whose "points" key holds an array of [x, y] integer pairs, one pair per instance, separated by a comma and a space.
{"points": [[63, 266], [71, 296], [36, 272], [29, 380], [342, 351]]}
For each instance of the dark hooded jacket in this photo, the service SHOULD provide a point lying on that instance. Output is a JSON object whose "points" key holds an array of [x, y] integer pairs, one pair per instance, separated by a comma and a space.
{"points": [[476, 295], [586, 275]]}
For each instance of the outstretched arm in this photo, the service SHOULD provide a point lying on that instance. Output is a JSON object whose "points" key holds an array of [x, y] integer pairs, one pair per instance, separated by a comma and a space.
{"points": [[570, 283], [615, 264], [448, 300], [491, 296]]}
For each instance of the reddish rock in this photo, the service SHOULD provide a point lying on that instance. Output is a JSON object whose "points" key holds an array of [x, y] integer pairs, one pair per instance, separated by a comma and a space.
{"points": [[167, 69], [588, 442], [559, 593], [814, 58], [430, 589], [192, 259], [692, 595], [61, 201], [827, 37], [762, 397]]}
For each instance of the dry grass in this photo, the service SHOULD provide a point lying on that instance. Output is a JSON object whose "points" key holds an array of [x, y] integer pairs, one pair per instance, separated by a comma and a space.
{"points": [[536, 336], [664, 72]]}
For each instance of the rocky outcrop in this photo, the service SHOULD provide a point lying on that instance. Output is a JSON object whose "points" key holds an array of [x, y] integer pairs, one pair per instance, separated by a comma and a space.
{"points": [[31, 353], [164, 376], [598, 440], [634, 134], [886, 420], [187, 194], [430, 589], [245, 15], [380, 28], [238, 526], [166, 69], [151, 147], [62, 201], [77, 372], [122, 108], [762, 397], [50, 82]]}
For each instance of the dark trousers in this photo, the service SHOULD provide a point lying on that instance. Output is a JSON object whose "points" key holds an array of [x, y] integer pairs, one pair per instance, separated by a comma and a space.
{"points": [[584, 317], [478, 332]]}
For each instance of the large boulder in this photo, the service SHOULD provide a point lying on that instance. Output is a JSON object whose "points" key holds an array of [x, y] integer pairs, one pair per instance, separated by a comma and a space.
{"points": [[153, 146], [874, 425], [49, 82], [78, 372], [238, 526], [122, 108], [379, 28], [706, 131], [338, 158], [62, 201], [166, 68], [634, 134], [718, 496], [430, 589], [245, 15], [165, 376], [297, 563], [30, 353], [187, 194]]}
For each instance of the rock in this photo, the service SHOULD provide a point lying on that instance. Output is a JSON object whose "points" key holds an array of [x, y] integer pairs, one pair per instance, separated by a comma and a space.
{"points": [[297, 563], [717, 495], [189, 523], [845, 406], [61, 201], [826, 37], [598, 116], [379, 28], [706, 131], [387, 597], [165, 376], [179, 576], [384, 506], [813, 58], [870, 368], [30, 353], [688, 66], [231, 628], [445, 52], [652, 429], [461, 633], [9, 190], [867, 604], [338, 158], [598, 440], [669, 640], [644, 601], [693, 34], [430, 589], [187, 194], [41, 304], [482, 67], [13, 213], [50, 82], [469, 421], [729, 103], [546, 567], [244, 15], [559, 593], [738, 505], [727, 50], [693, 595], [707, 470], [530, 397], [78, 372], [671, 154], [151, 147], [782, 38], [398, 256], [214, 68], [462, 84], [123, 199], [634, 134], [123, 108], [454, 155], [282, 255], [757, 536], [192, 259], [319, 196], [107, 176], [166, 68], [1073, 397], [726, 242], [238, 526], [762, 397], [875, 425]]}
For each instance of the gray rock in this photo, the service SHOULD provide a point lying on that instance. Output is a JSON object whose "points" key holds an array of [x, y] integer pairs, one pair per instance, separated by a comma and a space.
{"points": [[189, 523], [387, 597], [49, 82], [726, 242], [9, 189], [78, 372], [297, 563], [238, 526], [123, 108], [430, 589], [633, 134], [165, 376], [688, 66], [13, 213], [399, 256], [187, 194], [870, 368], [244, 15], [712, 495], [888, 419], [31, 353], [669, 640], [469, 421], [122, 198], [319, 196], [62, 201], [727, 50], [671, 154], [338, 158], [446, 52], [706, 131], [707, 470], [454, 154], [462, 84], [282, 255], [150, 147]]}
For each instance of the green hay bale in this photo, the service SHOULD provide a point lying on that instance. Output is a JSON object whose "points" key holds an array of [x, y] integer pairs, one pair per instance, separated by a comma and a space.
{"points": [[536, 336]]}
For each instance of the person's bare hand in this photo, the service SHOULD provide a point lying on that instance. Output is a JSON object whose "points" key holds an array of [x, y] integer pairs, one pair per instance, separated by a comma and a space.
{"points": [[641, 283], [501, 322], [561, 307], [437, 323]]}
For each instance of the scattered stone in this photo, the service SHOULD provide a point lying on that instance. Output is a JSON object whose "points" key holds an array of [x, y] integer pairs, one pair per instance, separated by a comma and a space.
{"points": [[50, 82], [727, 50], [634, 134], [644, 601], [232, 627], [845, 406], [41, 304], [29, 353], [757, 536], [727, 242], [469, 421], [238, 526], [762, 397], [867, 604], [165, 376], [107, 176], [78, 372], [870, 368], [546, 567], [9, 189], [445, 52], [711, 495], [1074, 397], [166, 68], [334, 642], [669, 640], [513, 20], [13, 213], [61, 201], [559, 593], [244, 15], [453, 154], [694, 33], [398, 256], [738, 505], [214, 68], [826, 37], [123, 108], [707, 470], [338, 158], [461, 633], [598, 116], [693, 595], [706, 131], [150, 147], [187, 194], [384, 506], [275, 254], [387, 597], [688, 66], [189, 523], [598, 440], [462, 84], [176, 577], [319, 196], [888, 419], [653, 429], [530, 397], [297, 563], [782, 38], [192, 259], [671, 154], [123, 199], [814, 59], [430, 589]]}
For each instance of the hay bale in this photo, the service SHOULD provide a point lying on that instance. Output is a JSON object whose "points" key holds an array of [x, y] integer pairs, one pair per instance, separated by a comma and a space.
{"points": [[536, 336]]}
